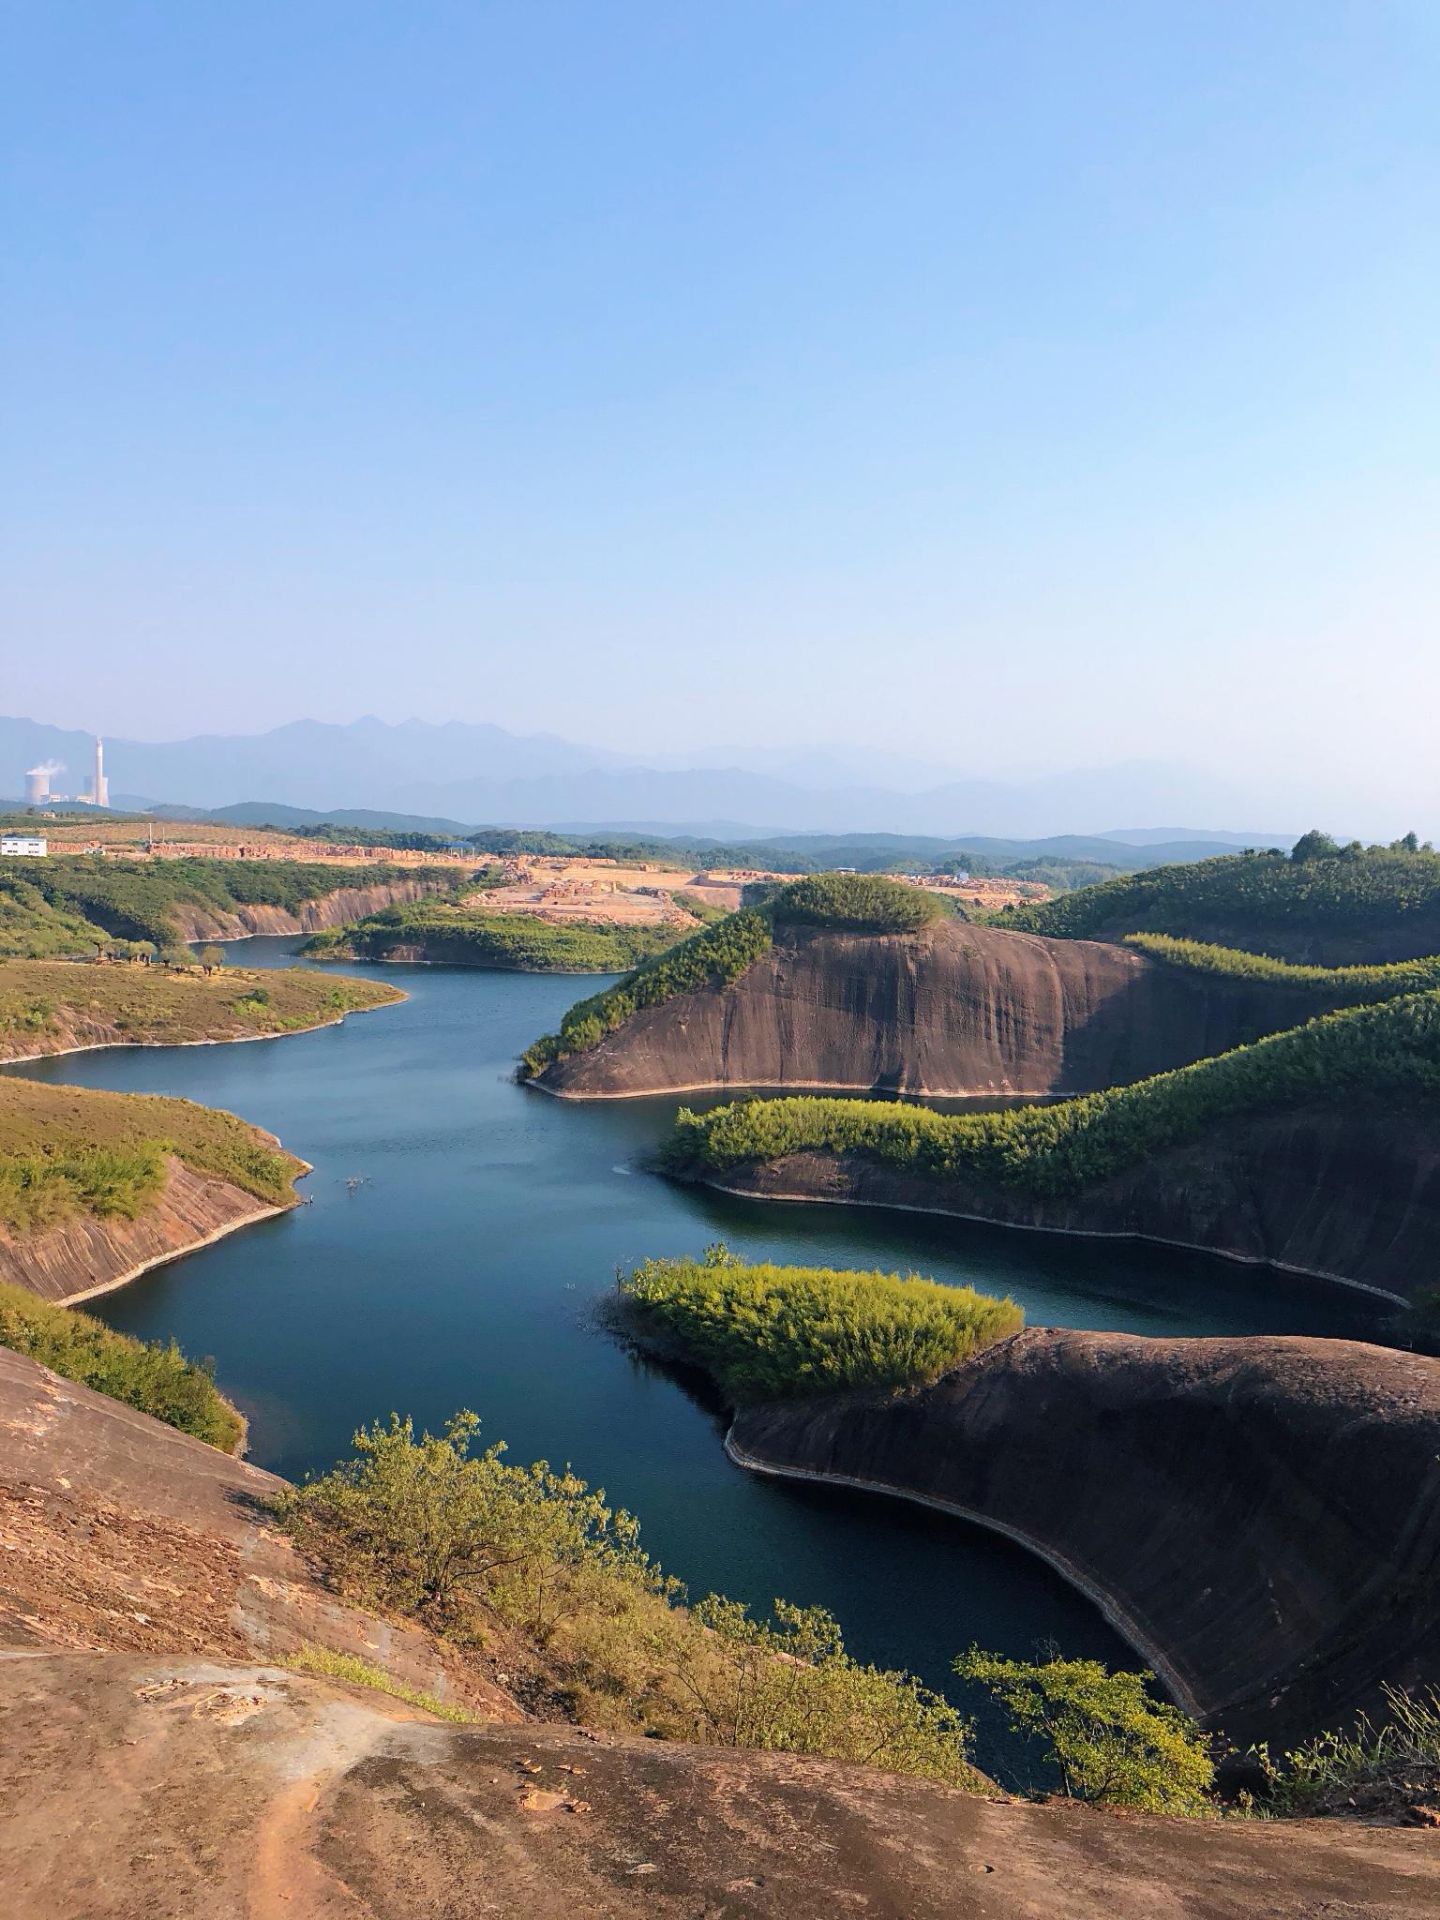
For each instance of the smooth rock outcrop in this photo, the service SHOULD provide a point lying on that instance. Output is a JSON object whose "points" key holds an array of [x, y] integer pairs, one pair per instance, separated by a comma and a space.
{"points": [[952, 1010], [1260, 1517]]}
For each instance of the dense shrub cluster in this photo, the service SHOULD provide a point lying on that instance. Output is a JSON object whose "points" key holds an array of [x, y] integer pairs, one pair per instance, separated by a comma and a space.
{"points": [[1328, 986], [157, 1379], [855, 903], [713, 957], [1315, 890], [430, 1527], [514, 941], [1389, 1051], [770, 1332], [46, 1189]]}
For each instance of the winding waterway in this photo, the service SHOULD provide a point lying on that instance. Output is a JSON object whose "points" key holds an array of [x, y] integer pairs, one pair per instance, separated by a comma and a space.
{"points": [[461, 1269]]}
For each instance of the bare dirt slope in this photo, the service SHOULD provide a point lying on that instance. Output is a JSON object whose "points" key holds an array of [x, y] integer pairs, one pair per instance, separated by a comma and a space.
{"points": [[954, 1009], [1261, 1516], [157, 1764]]}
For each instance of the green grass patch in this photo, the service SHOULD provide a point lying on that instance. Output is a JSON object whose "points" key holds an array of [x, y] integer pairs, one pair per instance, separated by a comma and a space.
{"points": [[50, 1005], [154, 1378], [360, 1673], [67, 1151], [769, 1332], [855, 903], [1388, 1052]]}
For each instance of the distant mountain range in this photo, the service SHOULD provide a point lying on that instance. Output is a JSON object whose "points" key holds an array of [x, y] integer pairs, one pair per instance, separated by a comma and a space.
{"points": [[459, 774]]}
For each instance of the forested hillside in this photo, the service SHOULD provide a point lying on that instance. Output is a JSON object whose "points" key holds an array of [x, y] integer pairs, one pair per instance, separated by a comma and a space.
{"points": [[1321, 902]]}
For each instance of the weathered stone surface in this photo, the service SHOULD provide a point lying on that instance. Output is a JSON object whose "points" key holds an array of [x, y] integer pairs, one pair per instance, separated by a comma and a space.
{"points": [[1261, 1516], [955, 1009]]}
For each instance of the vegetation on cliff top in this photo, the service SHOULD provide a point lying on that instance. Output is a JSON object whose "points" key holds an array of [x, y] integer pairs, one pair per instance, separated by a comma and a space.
{"points": [[76, 903], [1390, 1052], [769, 1332], [68, 1151], [49, 1005], [465, 936], [719, 954], [157, 1379], [482, 1551], [1318, 889], [1330, 986]]}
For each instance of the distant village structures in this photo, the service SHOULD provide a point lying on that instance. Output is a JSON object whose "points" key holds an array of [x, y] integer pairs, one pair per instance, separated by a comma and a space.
{"points": [[23, 846]]}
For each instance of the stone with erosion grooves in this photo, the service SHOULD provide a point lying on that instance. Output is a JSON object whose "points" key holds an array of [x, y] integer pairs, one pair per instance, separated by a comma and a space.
{"points": [[951, 1010], [1261, 1517]]}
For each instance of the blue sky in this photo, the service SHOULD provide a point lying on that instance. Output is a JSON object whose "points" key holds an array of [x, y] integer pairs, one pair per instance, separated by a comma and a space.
{"points": [[1028, 383]]}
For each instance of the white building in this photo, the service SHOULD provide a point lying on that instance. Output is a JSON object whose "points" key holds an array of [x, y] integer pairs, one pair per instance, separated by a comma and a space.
{"points": [[24, 846]]}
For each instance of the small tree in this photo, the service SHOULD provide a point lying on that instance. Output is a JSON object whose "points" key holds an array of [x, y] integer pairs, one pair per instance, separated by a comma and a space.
{"points": [[1111, 1741], [211, 959]]}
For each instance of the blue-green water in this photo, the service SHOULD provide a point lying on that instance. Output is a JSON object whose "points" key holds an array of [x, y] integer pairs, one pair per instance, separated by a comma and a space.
{"points": [[461, 1273]]}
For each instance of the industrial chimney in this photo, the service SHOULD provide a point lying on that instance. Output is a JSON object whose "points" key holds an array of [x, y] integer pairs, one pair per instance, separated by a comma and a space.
{"points": [[102, 785]]}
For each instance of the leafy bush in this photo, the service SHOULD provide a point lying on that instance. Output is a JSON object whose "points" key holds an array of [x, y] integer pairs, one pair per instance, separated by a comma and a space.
{"points": [[1270, 897], [157, 1379], [1111, 1741], [477, 1548], [1385, 1052], [768, 1332], [45, 1190], [855, 903]]}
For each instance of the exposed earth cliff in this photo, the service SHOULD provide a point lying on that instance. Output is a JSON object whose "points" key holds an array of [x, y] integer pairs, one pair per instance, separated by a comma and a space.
{"points": [[1261, 1517], [149, 1601], [949, 1010], [336, 909]]}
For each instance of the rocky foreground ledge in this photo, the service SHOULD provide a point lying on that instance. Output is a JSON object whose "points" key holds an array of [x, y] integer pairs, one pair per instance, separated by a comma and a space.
{"points": [[158, 1763], [1259, 1517]]}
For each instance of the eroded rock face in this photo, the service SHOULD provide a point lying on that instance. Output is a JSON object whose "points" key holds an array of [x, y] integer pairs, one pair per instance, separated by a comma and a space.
{"points": [[954, 1009], [1261, 1515], [89, 1255], [1350, 1193], [335, 910]]}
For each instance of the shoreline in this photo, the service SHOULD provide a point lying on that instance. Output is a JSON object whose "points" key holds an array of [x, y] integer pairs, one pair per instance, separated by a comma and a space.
{"points": [[739, 1088], [1110, 1609], [1064, 1233], [224, 1040], [263, 1212]]}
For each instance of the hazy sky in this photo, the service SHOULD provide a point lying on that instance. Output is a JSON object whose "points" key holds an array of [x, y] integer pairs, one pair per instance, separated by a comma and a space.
{"points": [[1031, 382]]}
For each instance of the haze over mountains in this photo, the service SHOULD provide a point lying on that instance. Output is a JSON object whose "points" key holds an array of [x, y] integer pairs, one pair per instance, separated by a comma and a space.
{"points": [[484, 775]]}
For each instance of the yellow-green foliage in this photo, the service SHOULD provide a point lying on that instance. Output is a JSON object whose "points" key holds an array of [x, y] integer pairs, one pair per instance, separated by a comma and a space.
{"points": [[855, 903], [1110, 1740], [1372, 1769], [47, 1005], [75, 1150], [475, 1548], [1385, 1052], [327, 1665], [769, 1332], [463, 935], [155, 1378], [1327, 986]]}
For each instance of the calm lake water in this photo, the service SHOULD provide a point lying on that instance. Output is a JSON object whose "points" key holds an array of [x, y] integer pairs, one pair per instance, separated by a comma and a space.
{"points": [[462, 1273]]}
